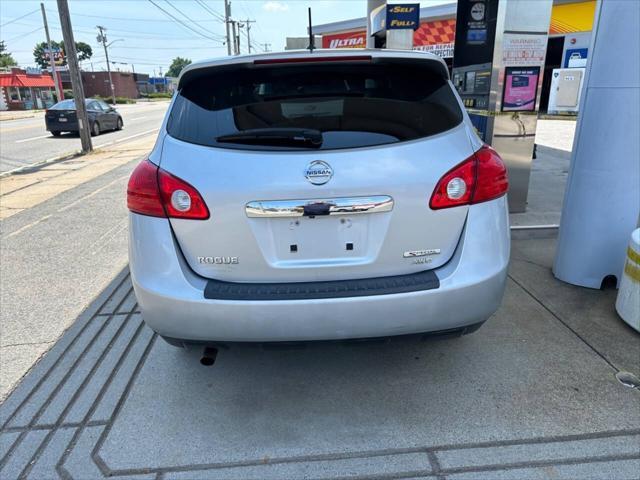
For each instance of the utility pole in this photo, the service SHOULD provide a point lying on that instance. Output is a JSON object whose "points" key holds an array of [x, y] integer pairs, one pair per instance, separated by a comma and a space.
{"points": [[103, 38], [239, 49], [74, 72], [265, 46], [234, 36], [227, 21], [248, 24], [52, 59]]}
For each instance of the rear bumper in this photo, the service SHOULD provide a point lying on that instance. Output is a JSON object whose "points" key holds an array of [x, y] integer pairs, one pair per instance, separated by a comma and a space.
{"points": [[172, 299], [62, 127]]}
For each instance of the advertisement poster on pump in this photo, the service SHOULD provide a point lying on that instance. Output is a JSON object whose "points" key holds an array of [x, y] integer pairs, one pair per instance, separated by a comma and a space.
{"points": [[521, 85]]}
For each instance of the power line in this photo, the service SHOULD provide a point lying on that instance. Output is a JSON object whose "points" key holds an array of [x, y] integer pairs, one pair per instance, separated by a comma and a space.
{"points": [[180, 21], [130, 31], [127, 47], [19, 18], [134, 19], [119, 30], [212, 12], [146, 36], [23, 35], [188, 18]]}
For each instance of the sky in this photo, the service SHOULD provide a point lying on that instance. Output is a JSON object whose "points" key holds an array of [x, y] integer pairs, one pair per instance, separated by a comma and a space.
{"points": [[146, 39]]}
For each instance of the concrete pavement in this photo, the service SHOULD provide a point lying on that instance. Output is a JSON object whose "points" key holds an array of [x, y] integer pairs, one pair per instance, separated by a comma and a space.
{"points": [[24, 141], [531, 395], [63, 239]]}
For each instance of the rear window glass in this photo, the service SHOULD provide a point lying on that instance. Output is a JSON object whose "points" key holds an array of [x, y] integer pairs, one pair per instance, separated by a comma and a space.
{"points": [[352, 105], [64, 105]]}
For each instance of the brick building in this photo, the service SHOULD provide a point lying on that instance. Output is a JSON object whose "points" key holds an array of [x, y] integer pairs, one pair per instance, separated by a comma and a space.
{"points": [[97, 84]]}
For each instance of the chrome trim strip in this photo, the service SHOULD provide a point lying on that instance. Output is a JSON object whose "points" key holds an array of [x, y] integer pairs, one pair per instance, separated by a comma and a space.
{"points": [[318, 207]]}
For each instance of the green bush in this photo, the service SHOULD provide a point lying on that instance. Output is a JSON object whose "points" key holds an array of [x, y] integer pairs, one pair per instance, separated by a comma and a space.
{"points": [[68, 94], [156, 95], [119, 100]]}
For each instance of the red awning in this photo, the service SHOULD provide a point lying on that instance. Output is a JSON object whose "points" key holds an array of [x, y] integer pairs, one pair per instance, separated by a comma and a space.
{"points": [[20, 80]]}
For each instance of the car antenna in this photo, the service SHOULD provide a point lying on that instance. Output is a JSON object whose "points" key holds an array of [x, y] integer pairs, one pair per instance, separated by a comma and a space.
{"points": [[311, 39]]}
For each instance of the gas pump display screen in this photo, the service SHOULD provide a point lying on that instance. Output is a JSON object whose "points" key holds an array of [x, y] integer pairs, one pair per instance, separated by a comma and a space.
{"points": [[520, 89]]}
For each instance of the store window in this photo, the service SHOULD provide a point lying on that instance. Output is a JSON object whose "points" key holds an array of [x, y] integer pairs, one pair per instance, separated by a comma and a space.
{"points": [[13, 94], [25, 93]]}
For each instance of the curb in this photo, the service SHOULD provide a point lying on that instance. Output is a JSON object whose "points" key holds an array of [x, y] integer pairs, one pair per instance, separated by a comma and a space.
{"points": [[39, 165], [19, 117]]}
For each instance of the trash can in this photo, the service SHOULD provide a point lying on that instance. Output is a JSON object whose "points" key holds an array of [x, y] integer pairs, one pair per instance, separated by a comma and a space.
{"points": [[628, 301]]}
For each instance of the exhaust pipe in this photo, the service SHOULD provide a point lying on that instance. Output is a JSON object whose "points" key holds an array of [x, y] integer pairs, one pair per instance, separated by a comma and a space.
{"points": [[209, 355]]}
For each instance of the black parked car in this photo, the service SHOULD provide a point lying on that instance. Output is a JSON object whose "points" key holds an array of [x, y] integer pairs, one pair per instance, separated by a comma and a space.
{"points": [[61, 117]]}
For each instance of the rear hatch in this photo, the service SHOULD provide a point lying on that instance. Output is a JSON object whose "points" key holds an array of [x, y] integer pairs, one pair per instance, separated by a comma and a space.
{"points": [[316, 170]]}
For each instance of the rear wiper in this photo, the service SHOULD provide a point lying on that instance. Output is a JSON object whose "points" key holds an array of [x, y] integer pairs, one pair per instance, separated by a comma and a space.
{"points": [[281, 137]]}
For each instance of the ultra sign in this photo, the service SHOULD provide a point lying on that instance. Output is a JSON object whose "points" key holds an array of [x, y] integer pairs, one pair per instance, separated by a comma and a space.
{"points": [[404, 16]]}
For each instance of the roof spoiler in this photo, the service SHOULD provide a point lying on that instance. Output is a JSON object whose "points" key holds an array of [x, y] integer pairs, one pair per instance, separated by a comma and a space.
{"points": [[194, 71]]}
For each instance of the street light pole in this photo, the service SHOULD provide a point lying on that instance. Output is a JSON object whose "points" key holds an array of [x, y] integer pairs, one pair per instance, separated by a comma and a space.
{"points": [[52, 59], [74, 73], [103, 38]]}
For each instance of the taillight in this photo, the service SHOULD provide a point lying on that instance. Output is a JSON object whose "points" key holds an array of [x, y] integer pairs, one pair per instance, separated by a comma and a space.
{"points": [[481, 177], [154, 192], [143, 194], [180, 199]]}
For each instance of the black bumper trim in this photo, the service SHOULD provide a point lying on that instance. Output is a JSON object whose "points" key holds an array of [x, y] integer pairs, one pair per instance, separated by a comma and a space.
{"points": [[414, 282]]}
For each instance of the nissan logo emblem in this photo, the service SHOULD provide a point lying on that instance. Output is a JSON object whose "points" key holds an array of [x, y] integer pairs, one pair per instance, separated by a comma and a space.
{"points": [[318, 172]]}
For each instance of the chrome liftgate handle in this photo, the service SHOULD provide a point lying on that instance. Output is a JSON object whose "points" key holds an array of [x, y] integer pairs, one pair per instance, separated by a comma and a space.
{"points": [[318, 207]]}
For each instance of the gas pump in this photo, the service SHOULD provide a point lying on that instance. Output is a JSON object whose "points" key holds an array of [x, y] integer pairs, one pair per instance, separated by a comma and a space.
{"points": [[498, 61]]}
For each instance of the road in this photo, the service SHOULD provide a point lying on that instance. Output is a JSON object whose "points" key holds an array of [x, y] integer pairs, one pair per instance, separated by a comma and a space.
{"points": [[25, 141]]}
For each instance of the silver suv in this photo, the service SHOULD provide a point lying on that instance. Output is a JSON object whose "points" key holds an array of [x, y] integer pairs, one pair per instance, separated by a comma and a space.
{"points": [[317, 196]]}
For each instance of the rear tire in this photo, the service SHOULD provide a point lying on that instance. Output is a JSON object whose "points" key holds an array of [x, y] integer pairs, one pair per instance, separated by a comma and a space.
{"points": [[56, 134], [119, 124], [95, 129]]}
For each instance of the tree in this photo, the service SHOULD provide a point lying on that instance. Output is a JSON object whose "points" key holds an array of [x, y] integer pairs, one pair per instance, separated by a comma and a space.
{"points": [[176, 66], [42, 58], [6, 60]]}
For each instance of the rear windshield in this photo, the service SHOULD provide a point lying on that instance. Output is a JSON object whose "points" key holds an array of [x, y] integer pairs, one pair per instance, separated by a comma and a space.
{"points": [[64, 105], [68, 104], [347, 105]]}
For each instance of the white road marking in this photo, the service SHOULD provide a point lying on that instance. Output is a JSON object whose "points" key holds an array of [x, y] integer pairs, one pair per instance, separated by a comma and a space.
{"points": [[89, 195], [32, 138], [127, 138], [136, 119], [28, 226], [72, 154], [104, 238]]}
